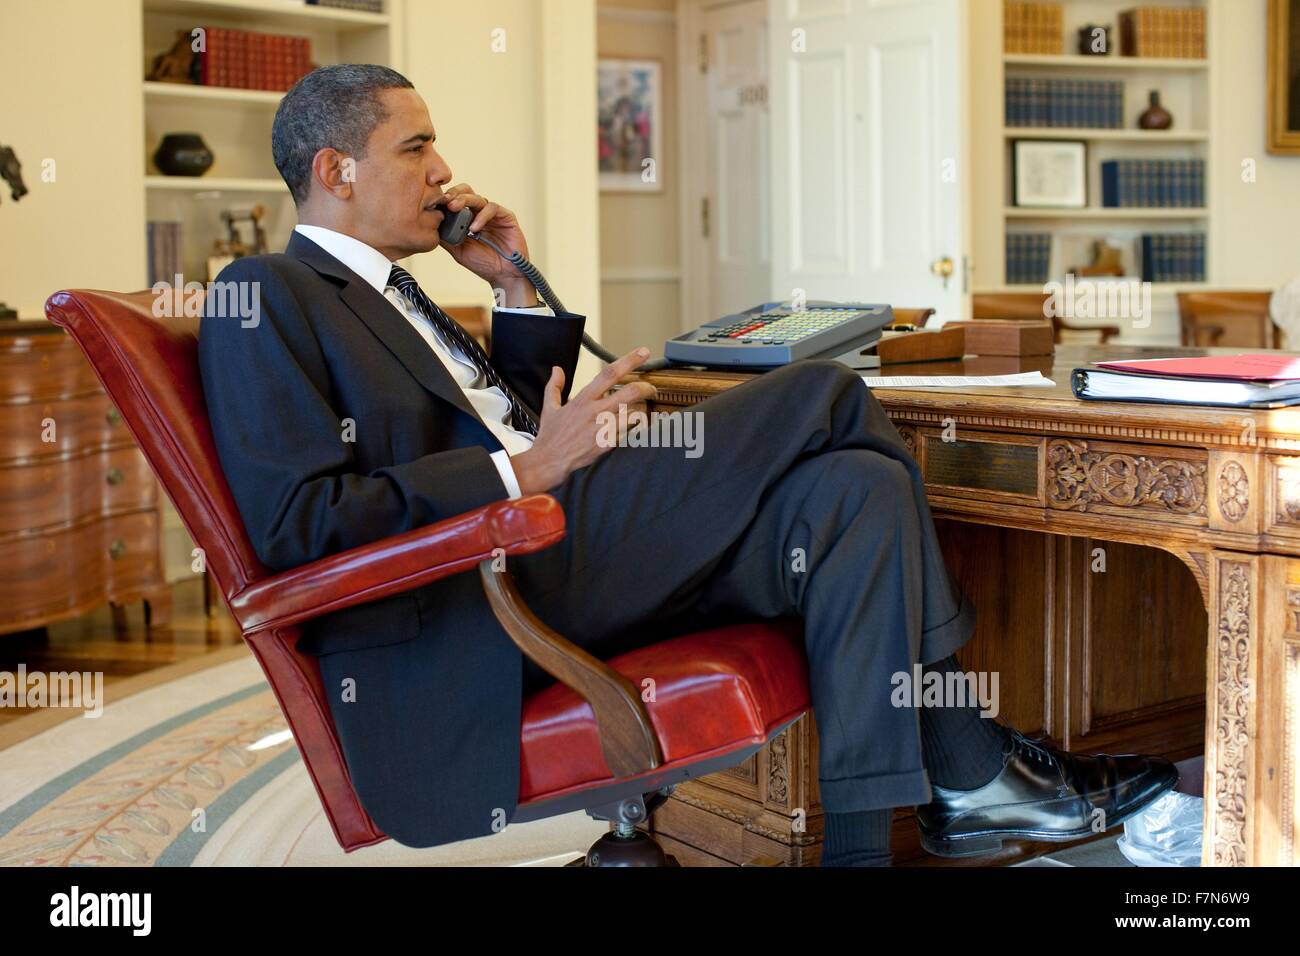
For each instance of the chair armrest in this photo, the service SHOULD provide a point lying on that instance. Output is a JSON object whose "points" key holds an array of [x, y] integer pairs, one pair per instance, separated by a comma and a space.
{"points": [[399, 563]]}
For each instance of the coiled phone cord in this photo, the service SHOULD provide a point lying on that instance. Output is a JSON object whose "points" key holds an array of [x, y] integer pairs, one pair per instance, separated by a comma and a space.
{"points": [[547, 295]]}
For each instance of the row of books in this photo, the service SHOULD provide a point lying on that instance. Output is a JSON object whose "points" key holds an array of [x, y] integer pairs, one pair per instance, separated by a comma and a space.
{"points": [[1153, 183], [246, 60], [1173, 257], [163, 240], [1027, 257], [1163, 31], [366, 6], [1032, 27], [1073, 103]]}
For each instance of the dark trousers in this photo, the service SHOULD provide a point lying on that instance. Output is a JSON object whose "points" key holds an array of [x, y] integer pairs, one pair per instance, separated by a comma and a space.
{"points": [[804, 502]]}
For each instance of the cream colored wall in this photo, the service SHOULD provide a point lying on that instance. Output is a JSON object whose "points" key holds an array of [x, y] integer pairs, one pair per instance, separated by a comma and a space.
{"points": [[1257, 225], [639, 236], [70, 93], [518, 126]]}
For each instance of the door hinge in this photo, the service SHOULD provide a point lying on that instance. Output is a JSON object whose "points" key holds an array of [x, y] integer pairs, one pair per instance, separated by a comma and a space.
{"points": [[704, 53], [704, 216]]}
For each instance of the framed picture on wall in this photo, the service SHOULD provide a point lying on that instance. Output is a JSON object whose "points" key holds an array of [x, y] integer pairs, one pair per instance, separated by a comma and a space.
{"points": [[1284, 77], [1050, 173], [630, 124]]}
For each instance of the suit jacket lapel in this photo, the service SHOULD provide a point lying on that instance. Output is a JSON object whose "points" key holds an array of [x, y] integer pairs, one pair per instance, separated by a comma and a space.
{"points": [[385, 322]]}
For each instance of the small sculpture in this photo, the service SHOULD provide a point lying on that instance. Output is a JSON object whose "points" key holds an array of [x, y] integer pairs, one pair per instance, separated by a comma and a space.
{"points": [[12, 171], [177, 65], [1106, 261]]}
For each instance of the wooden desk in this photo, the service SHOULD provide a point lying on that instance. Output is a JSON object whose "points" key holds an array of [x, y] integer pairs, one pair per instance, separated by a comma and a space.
{"points": [[1136, 569]]}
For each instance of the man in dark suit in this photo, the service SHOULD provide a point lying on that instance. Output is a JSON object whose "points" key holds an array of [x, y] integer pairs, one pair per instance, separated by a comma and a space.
{"points": [[349, 409]]}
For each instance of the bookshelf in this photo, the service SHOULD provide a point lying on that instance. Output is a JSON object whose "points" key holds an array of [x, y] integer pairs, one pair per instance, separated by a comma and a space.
{"points": [[236, 123], [1185, 86]]}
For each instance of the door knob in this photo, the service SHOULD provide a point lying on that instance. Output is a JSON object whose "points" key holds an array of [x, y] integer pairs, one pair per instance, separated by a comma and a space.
{"points": [[942, 268]]}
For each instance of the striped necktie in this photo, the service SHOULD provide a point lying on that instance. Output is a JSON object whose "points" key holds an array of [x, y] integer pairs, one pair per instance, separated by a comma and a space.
{"points": [[404, 282]]}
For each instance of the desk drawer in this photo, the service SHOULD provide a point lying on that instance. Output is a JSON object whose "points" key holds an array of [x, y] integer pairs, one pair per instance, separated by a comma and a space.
{"points": [[43, 366], [53, 492], [983, 465], [52, 574], [1064, 474], [88, 421]]}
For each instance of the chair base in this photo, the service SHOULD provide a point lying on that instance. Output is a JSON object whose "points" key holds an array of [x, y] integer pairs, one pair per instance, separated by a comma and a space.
{"points": [[625, 845], [637, 849]]}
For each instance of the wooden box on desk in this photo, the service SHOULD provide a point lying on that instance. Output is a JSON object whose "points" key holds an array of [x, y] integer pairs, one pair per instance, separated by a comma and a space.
{"points": [[1007, 337]]}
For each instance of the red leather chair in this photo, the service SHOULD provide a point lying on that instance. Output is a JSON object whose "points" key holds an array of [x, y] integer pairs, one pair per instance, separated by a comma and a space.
{"points": [[588, 742]]}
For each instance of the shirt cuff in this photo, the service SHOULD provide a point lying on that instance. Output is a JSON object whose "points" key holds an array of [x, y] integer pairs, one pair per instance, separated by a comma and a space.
{"points": [[539, 309], [502, 460]]}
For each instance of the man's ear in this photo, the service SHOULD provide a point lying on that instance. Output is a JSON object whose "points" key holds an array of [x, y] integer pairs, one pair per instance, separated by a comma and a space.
{"points": [[334, 172]]}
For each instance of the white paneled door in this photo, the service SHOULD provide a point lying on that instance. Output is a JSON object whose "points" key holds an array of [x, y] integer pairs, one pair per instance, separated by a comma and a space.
{"points": [[736, 219], [867, 162]]}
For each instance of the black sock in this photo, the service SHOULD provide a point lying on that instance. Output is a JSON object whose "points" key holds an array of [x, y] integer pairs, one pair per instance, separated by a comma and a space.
{"points": [[961, 749], [857, 839]]}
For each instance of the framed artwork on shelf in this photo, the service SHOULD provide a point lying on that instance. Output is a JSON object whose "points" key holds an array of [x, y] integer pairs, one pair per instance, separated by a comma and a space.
{"points": [[630, 124], [1050, 174], [1284, 77]]}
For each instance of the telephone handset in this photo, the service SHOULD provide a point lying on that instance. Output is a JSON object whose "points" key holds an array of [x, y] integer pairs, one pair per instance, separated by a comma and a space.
{"points": [[454, 229]]}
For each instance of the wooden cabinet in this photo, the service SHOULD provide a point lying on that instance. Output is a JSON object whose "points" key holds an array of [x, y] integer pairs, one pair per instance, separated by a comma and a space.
{"points": [[79, 507]]}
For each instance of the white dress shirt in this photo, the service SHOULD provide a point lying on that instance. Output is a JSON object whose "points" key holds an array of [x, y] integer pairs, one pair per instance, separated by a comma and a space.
{"points": [[491, 404]]}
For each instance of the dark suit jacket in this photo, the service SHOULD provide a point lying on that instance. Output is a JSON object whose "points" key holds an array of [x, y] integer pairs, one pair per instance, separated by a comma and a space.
{"points": [[431, 737]]}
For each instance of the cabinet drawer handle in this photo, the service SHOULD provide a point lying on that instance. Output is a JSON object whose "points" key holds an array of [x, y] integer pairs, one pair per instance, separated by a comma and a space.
{"points": [[113, 417], [115, 476], [117, 549]]}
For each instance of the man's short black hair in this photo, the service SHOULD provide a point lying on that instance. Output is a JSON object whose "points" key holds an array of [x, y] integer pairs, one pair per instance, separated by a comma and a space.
{"points": [[333, 106]]}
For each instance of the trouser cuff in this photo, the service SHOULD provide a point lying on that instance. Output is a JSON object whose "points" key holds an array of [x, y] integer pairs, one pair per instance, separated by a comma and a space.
{"points": [[944, 639]]}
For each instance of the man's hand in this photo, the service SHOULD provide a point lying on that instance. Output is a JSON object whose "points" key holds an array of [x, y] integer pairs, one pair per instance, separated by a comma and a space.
{"points": [[499, 224], [566, 435]]}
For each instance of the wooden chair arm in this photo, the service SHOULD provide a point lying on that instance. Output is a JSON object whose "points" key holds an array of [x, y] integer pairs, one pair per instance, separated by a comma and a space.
{"points": [[399, 563], [627, 738]]}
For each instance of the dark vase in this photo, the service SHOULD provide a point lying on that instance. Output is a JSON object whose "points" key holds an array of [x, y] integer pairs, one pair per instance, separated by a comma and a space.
{"points": [[183, 154], [1155, 116]]}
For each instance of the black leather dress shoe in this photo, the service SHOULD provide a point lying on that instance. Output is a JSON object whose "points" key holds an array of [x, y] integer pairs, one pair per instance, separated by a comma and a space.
{"points": [[1042, 794]]}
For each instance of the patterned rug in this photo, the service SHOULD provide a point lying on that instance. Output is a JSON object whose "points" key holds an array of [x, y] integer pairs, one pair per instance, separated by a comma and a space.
{"points": [[202, 771]]}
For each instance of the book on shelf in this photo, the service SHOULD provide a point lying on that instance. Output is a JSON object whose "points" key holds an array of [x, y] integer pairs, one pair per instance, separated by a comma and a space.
{"points": [[163, 243], [1032, 27], [1173, 257], [1246, 380], [1153, 183], [364, 6], [244, 59], [1033, 102], [1027, 257], [1169, 32]]}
